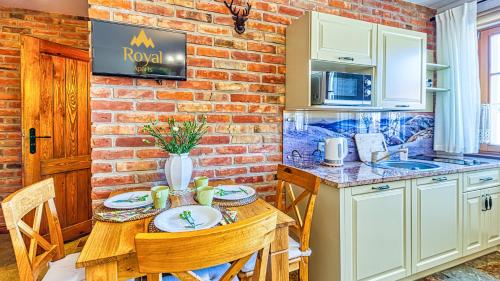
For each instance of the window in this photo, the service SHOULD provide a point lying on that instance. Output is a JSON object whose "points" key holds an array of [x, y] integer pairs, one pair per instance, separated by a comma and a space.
{"points": [[489, 64]]}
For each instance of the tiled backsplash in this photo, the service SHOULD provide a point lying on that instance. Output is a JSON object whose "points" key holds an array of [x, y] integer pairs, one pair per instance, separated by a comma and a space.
{"points": [[302, 131]]}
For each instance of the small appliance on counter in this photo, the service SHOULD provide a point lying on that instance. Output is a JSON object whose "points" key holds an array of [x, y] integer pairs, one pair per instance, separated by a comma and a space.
{"points": [[336, 149]]}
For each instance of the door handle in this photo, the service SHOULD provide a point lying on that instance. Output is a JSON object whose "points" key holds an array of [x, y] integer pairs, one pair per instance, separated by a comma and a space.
{"points": [[383, 187], [346, 58], [486, 179], [440, 179], [484, 208], [487, 202], [33, 137]]}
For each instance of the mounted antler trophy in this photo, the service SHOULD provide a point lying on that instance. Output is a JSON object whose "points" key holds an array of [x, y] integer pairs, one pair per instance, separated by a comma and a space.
{"points": [[239, 20]]}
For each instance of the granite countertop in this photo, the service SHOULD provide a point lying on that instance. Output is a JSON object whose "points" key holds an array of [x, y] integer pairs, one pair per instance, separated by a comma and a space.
{"points": [[359, 173]]}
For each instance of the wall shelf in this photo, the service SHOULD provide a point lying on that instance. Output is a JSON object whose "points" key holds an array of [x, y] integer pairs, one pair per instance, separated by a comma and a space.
{"points": [[437, 90], [436, 67]]}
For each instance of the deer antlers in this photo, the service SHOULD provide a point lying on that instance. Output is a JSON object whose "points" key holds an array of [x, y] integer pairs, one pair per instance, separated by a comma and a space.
{"points": [[239, 19]]}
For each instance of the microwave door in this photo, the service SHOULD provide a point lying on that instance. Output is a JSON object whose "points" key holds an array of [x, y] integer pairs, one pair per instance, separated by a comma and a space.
{"points": [[317, 88]]}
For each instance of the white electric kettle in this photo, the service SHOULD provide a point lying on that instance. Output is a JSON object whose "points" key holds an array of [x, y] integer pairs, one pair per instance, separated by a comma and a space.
{"points": [[336, 149]]}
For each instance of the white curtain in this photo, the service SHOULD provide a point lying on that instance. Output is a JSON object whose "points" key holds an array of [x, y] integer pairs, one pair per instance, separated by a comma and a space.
{"points": [[457, 111]]}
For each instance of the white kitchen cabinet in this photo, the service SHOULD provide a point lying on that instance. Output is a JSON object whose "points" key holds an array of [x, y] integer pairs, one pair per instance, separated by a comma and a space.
{"points": [[481, 228], [473, 208], [380, 235], [401, 68], [344, 40], [436, 221], [492, 217]]}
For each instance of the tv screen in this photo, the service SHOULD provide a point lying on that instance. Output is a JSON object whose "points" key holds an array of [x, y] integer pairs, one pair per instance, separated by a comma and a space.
{"points": [[137, 51]]}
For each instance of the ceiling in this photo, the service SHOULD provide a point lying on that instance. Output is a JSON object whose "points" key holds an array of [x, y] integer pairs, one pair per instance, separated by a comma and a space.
{"points": [[441, 5], [436, 4], [68, 7]]}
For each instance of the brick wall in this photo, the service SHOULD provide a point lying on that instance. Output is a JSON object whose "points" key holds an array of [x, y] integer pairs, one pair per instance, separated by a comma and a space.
{"points": [[236, 80], [68, 30]]}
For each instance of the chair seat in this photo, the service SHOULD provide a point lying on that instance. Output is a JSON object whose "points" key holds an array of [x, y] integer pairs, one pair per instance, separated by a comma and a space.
{"points": [[64, 269], [293, 252], [213, 273]]}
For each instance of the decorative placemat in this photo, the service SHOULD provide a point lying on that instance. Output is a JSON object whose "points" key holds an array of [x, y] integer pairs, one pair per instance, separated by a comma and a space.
{"points": [[102, 213], [235, 203]]}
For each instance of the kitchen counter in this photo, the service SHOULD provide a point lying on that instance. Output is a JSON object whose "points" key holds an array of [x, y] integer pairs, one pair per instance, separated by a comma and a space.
{"points": [[358, 173]]}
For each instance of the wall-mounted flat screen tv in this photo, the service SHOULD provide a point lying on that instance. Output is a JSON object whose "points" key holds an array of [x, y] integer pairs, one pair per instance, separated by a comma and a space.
{"points": [[137, 51]]}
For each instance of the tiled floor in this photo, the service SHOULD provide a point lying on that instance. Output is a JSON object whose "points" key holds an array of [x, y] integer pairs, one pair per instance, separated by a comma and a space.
{"points": [[486, 268], [8, 267]]}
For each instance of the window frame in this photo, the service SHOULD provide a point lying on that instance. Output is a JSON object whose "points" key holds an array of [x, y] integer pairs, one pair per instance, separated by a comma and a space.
{"points": [[484, 74]]}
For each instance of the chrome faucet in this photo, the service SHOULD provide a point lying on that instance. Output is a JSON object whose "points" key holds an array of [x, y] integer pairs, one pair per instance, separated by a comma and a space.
{"points": [[375, 155]]}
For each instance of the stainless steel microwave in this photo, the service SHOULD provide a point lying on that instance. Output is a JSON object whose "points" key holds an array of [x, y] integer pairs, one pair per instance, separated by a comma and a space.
{"points": [[341, 89]]}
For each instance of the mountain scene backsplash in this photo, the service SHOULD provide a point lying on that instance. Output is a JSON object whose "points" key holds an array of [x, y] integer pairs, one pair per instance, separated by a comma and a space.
{"points": [[303, 132]]}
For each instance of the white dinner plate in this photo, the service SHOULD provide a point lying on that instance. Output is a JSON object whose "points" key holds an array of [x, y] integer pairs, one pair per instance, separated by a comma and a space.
{"points": [[233, 192], [120, 201], [204, 217]]}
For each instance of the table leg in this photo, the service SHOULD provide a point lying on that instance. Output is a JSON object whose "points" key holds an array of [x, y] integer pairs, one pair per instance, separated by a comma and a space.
{"points": [[102, 272], [279, 255]]}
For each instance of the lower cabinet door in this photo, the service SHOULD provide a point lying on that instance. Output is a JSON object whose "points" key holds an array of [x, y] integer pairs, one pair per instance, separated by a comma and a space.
{"points": [[436, 223], [380, 234], [473, 207], [492, 218]]}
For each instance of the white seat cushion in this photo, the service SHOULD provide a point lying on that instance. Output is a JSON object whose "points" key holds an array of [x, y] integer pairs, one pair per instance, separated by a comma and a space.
{"points": [[293, 252], [213, 273], [65, 270]]}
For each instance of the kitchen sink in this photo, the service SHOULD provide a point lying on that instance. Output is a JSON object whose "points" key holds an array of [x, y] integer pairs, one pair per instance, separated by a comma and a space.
{"points": [[409, 165]]}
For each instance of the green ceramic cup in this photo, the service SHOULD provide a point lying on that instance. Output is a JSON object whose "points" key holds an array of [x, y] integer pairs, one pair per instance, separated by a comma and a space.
{"points": [[200, 182], [205, 195], [160, 196]]}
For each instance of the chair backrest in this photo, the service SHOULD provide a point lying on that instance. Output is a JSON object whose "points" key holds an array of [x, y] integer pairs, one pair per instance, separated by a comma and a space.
{"points": [[309, 183], [180, 253], [37, 197]]}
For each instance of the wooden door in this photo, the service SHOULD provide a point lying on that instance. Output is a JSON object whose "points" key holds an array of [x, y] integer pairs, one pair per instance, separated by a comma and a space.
{"points": [[473, 208], [401, 68], [381, 236], [436, 222], [55, 104]]}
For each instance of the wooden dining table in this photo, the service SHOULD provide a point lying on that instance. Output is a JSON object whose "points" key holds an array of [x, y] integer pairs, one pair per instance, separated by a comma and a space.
{"points": [[109, 253]]}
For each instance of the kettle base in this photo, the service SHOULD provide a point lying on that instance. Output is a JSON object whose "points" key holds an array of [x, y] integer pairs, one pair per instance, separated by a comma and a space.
{"points": [[333, 163]]}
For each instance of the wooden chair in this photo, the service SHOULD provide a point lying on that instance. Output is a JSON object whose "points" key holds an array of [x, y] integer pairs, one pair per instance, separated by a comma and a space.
{"points": [[180, 253], [32, 261], [298, 251]]}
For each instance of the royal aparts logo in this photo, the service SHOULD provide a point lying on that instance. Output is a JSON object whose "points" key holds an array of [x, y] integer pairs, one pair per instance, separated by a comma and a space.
{"points": [[142, 39], [141, 57]]}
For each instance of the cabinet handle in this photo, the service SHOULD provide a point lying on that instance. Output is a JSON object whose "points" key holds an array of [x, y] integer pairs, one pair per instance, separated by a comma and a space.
{"points": [[486, 179], [383, 187], [346, 58], [402, 105], [490, 201], [440, 179], [485, 205]]}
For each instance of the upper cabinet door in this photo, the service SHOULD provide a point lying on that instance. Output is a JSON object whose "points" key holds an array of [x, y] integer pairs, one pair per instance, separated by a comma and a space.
{"points": [[401, 68], [343, 40]]}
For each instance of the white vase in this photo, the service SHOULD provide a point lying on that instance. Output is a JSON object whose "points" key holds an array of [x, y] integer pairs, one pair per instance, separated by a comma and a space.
{"points": [[178, 171]]}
